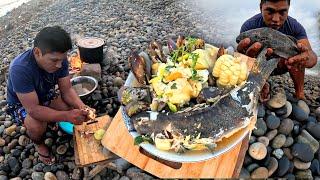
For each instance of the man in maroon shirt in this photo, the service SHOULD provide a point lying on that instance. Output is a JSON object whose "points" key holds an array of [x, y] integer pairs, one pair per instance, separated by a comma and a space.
{"points": [[274, 14]]}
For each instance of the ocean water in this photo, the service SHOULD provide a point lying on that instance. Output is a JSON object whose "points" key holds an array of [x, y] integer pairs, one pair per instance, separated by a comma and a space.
{"points": [[8, 5]]}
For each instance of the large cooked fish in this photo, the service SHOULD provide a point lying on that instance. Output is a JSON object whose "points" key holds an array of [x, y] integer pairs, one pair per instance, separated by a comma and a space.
{"points": [[226, 116]]}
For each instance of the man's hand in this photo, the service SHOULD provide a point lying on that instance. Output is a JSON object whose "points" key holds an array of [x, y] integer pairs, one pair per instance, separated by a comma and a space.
{"points": [[77, 116], [251, 49], [300, 61]]}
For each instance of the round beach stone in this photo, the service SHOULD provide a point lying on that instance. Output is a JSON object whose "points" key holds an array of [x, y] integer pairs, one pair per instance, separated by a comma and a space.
{"points": [[302, 151], [278, 141], [252, 139], [301, 165], [315, 168], [62, 175], [37, 176], [277, 101], [289, 142], [264, 140], [272, 166], [284, 165], [312, 119], [2, 142], [278, 153], [273, 122], [286, 126], [298, 113], [305, 174], [252, 167], [303, 105], [49, 176], [314, 129], [23, 140], [258, 151], [317, 112], [261, 127], [260, 173], [290, 177], [271, 134]]}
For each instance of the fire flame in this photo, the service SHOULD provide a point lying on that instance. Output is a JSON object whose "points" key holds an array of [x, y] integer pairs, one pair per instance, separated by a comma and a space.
{"points": [[75, 63]]}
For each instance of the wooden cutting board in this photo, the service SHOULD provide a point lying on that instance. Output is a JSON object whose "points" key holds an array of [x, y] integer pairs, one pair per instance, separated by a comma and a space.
{"points": [[88, 150], [118, 140]]}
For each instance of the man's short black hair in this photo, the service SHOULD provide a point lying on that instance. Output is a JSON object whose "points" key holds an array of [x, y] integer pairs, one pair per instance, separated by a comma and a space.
{"points": [[264, 1], [53, 39]]}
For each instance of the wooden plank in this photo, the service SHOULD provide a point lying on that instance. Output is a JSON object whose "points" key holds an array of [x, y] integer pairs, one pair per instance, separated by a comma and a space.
{"points": [[88, 150], [118, 140]]}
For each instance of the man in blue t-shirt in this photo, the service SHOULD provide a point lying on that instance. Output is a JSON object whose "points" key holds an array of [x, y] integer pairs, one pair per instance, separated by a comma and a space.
{"points": [[274, 14], [31, 95]]}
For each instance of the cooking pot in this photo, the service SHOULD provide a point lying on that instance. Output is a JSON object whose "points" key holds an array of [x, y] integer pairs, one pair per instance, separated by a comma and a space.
{"points": [[91, 49]]}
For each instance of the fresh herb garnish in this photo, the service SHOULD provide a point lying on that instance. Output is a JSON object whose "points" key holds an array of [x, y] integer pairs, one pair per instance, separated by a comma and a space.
{"points": [[174, 86], [140, 139]]}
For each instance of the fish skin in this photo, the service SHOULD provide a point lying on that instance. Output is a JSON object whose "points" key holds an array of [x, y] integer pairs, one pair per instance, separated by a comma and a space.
{"points": [[231, 112], [281, 44]]}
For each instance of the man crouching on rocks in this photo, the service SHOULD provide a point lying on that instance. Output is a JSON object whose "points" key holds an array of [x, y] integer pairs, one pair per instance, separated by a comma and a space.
{"points": [[31, 94], [274, 14]]}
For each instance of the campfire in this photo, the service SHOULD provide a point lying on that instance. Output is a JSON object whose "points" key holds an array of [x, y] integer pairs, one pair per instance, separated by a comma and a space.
{"points": [[75, 63]]}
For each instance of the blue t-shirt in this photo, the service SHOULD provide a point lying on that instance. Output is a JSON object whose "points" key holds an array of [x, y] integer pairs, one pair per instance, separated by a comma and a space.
{"points": [[290, 27], [26, 76]]}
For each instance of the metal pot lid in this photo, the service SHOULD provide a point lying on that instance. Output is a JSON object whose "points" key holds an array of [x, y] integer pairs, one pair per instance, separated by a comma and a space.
{"points": [[90, 42]]}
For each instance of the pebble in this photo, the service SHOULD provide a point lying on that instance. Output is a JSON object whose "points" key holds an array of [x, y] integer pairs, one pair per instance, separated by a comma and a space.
{"points": [[257, 151], [61, 175], [286, 126], [272, 122], [261, 127], [23, 140], [301, 165], [314, 129], [2, 142], [278, 141], [10, 129], [62, 149], [252, 167], [289, 142], [277, 101], [315, 168], [284, 165], [306, 138], [7, 123], [303, 105], [278, 153], [23, 130], [290, 177], [306, 174], [264, 140], [302, 151], [260, 173], [48, 142], [27, 163], [317, 112], [281, 112], [37, 175], [272, 166], [118, 81], [49, 176], [271, 134], [298, 113]]}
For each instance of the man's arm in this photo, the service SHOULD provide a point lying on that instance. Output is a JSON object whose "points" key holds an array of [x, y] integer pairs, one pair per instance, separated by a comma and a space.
{"points": [[307, 57], [68, 94], [31, 103]]}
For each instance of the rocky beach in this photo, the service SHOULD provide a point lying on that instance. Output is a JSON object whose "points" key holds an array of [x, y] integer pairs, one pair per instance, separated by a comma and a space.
{"points": [[284, 144]]}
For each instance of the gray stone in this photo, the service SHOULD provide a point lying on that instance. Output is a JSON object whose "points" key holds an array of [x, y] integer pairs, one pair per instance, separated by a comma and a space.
{"points": [[261, 111], [257, 151], [303, 105], [314, 129], [37, 175], [284, 165], [286, 126], [272, 166], [244, 174], [278, 141], [261, 128], [252, 167], [299, 113], [61, 175], [306, 138], [271, 134], [277, 101], [278, 153], [264, 140], [306, 174], [27, 163], [302, 151], [289, 142], [272, 122]]}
